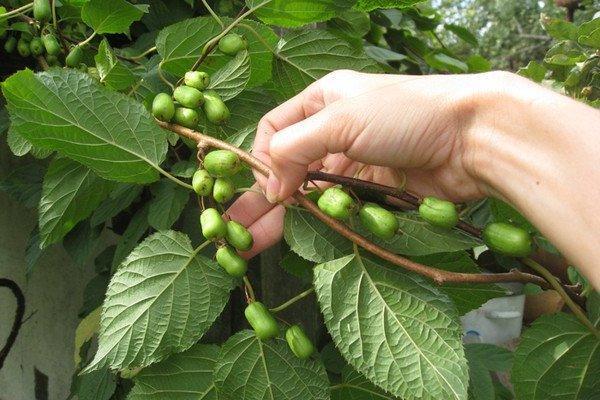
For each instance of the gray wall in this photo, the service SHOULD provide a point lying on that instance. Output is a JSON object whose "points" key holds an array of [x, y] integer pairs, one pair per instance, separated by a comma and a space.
{"points": [[53, 297]]}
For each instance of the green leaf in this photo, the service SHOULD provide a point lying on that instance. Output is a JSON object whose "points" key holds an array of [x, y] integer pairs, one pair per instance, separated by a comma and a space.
{"points": [[297, 266], [184, 376], [306, 55], [534, 71], [557, 358], [161, 300], [70, 193], [558, 28], [491, 357], [231, 80], [33, 252], [111, 16], [504, 212], [398, 330], [355, 386], [168, 203], [443, 62], [119, 199], [350, 25], [294, 13], [137, 228], [17, 143], [564, 54], [589, 33], [477, 63], [96, 385], [181, 44], [24, 184], [466, 296], [251, 369], [184, 168], [65, 110], [462, 33], [113, 72], [370, 5], [82, 241]]}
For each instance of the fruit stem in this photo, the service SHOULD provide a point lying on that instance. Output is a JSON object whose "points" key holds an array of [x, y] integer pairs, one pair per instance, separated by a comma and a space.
{"points": [[437, 275], [577, 311], [292, 301], [144, 54], [250, 296], [214, 15], [16, 11]]}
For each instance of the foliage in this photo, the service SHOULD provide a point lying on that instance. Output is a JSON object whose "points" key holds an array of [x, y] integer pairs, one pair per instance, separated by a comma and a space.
{"points": [[94, 159]]}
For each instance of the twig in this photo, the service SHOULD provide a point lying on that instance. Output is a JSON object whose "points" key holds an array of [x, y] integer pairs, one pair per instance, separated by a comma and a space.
{"points": [[577, 311], [18, 321], [437, 275], [292, 301], [250, 296], [386, 190], [16, 12]]}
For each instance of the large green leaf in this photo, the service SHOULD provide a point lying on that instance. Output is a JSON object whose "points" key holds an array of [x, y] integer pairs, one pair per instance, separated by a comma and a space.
{"points": [[292, 13], [168, 203], [466, 296], [315, 241], [231, 80], [557, 358], [96, 385], [355, 386], [24, 184], [161, 300], [393, 327], [119, 199], [251, 369], [113, 72], [304, 56], [184, 376], [181, 44], [369, 5], [70, 193], [111, 16], [65, 110], [137, 228], [483, 359]]}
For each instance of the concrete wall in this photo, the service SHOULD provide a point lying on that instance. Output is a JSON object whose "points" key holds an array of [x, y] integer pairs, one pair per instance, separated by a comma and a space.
{"points": [[53, 297]]}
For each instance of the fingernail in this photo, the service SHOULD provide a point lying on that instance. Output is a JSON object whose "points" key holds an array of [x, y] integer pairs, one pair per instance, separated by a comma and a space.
{"points": [[272, 188]]}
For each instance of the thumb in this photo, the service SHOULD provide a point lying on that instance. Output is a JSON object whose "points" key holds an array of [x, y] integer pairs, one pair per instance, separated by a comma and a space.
{"points": [[295, 147]]}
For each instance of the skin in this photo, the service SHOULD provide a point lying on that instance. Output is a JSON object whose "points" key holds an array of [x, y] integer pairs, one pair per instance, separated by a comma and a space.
{"points": [[457, 137]]}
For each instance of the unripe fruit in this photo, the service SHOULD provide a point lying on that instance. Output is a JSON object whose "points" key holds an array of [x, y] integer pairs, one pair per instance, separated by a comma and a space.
{"points": [[507, 239], [231, 43], [216, 110], [188, 96], [42, 10], [231, 261], [37, 46], [74, 57], [260, 319], [186, 117], [299, 342], [238, 236], [222, 163], [196, 79], [51, 44], [23, 48], [213, 226], [163, 107], [378, 220], [336, 203], [223, 190], [202, 182], [313, 196], [10, 44], [438, 212]]}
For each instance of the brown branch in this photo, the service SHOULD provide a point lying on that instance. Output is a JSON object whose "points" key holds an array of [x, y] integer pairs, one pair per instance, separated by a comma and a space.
{"points": [[386, 190], [437, 275], [18, 321]]}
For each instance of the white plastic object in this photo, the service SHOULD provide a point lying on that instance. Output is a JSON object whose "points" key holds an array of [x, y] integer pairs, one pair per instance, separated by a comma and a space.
{"points": [[498, 321]]}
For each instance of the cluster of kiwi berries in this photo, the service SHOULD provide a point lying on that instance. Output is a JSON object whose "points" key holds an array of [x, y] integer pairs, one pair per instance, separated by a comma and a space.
{"points": [[41, 40], [193, 94], [214, 179], [500, 237]]}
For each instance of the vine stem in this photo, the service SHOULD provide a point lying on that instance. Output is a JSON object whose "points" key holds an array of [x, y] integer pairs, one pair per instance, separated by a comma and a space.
{"points": [[292, 301], [214, 15], [402, 195], [16, 12], [437, 275], [577, 311]]}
